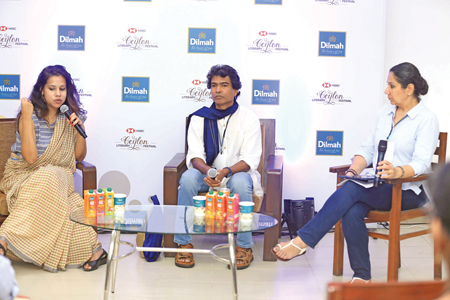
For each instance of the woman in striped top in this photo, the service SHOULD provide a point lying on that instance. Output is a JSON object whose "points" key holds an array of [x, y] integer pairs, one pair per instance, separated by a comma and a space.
{"points": [[38, 180]]}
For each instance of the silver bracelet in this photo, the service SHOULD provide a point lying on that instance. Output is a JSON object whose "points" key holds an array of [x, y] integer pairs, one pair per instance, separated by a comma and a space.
{"points": [[403, 171]]}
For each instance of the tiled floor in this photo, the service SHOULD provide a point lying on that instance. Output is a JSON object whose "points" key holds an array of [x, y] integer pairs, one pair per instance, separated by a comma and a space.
{"points": [[302, 278]]}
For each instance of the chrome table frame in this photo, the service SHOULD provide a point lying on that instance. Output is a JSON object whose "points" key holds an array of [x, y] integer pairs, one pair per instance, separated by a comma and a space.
{"points": [[111, 264]]}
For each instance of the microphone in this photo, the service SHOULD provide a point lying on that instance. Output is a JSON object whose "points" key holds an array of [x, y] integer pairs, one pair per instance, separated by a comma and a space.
{"points": [[382, 146], [212, 173], [65, 110]]}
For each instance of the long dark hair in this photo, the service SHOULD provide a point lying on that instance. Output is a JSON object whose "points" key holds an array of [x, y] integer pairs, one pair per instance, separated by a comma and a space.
{"points": [[407, 73], [72, 100], [224, 71]]}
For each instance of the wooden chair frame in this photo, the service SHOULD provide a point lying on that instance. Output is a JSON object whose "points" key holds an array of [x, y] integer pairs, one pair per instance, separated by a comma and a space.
{"points": [[421, 290], [394, 217]]}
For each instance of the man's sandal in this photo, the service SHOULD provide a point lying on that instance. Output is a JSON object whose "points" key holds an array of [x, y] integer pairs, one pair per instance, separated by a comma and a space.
{"points": [[291, 243], [245, 256], [96, 263], [181, 257], [4, 250]]}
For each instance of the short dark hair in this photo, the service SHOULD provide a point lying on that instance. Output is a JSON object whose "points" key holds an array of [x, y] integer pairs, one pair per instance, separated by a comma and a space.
{"points": [[407, 73], [224, 71]]}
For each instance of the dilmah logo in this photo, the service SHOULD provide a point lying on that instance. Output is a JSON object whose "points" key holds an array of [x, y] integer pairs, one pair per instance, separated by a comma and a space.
{"points": [[134, 40], [265, 43], [197, 92], [134, 142], [330, 96]]}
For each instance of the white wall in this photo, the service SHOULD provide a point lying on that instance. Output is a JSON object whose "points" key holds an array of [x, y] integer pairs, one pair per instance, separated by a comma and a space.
{"points": [[380, 34], [417, 32]]}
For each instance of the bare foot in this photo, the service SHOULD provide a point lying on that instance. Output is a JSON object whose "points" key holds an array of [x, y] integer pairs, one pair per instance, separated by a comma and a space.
{"points": [[289, 252], [4, 246], [95, 256]]}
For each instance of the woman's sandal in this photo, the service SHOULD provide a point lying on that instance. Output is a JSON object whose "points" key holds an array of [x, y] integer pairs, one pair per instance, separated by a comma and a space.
{"points": [[96, 263], [183, 256], [4, 250], [291, 243]]}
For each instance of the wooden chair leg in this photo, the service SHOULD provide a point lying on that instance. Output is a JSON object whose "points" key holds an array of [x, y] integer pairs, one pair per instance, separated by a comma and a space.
{"points": [[169, 243], [270, 240], [394, 233], [437, 261], [338, 258]]}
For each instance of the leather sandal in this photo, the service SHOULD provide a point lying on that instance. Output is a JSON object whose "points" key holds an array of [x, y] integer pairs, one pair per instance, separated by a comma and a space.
{"points": [[245, 256], [96, 263], [181, 257], [4, 250], [291, 243]]}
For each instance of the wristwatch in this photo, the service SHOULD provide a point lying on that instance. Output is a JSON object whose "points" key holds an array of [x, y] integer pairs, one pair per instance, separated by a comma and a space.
{"points": [[229, 172]]}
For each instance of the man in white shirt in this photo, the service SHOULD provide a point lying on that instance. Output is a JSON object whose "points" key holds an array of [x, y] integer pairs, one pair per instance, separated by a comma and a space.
{"points": [[226, 137]]}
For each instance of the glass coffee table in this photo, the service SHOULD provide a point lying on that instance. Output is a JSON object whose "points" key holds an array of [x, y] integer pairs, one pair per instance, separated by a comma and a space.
{"points": [[169, 219]]}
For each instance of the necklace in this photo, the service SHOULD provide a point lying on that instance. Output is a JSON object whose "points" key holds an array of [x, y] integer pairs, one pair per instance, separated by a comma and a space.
{"points": [[221, 141], [51, 126]]}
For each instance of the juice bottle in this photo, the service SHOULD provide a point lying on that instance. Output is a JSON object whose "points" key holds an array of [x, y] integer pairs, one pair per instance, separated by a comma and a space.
{"points": [[100, 203], [210, 205], [109, 202], [209, 225], [90, 204], [221, 206], [233, 207]]}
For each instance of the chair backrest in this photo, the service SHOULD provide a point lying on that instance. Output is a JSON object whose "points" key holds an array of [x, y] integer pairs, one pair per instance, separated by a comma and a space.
{"points": [[7, 139], [425, 290], [268, 146], [441, 150]]}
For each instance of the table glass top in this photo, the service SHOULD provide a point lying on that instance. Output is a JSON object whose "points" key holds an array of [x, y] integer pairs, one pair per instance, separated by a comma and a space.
{"points": [[171, 219]]}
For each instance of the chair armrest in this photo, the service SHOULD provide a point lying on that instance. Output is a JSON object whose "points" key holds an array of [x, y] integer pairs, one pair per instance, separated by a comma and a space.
{"points": [[172, 174], [275, 165], [339, 169], [89, 173], [407, 179]]}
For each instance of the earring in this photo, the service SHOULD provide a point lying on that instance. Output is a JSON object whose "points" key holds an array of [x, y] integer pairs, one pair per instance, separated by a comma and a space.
{"points": [[409, 94]]}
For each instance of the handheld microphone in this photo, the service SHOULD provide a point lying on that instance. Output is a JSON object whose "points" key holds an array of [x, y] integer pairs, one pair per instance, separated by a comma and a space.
{"points": [[65, 110], [382, 146], [212, 173]]}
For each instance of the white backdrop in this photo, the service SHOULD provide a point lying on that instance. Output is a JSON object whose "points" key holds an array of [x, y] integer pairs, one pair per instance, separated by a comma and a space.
{"points": [[295, 24]]}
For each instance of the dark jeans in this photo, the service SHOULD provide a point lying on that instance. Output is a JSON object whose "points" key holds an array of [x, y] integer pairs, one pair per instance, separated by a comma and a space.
{"points": [[352, 202]]}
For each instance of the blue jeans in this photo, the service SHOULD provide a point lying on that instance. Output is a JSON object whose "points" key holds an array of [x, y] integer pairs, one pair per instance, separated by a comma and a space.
{"points": [[352, 202], [192, 182]]}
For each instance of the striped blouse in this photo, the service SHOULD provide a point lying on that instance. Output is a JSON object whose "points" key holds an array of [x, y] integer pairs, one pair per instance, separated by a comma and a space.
{"points": [[43, 132]]}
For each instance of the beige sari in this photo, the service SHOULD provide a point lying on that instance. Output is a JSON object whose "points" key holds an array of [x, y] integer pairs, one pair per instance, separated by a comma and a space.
{"points": [[40, 197]]}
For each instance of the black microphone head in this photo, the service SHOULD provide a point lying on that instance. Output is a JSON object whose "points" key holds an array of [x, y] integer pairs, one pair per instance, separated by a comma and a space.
{"points": [[63, 108], [382, 146], [212, 173]]}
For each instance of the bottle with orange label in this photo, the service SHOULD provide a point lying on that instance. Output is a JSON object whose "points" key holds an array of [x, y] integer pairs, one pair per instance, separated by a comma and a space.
{"points": [[109, 202], [221, 206], [100, 203], [90, 204], [210, 205], [233, 207]]}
